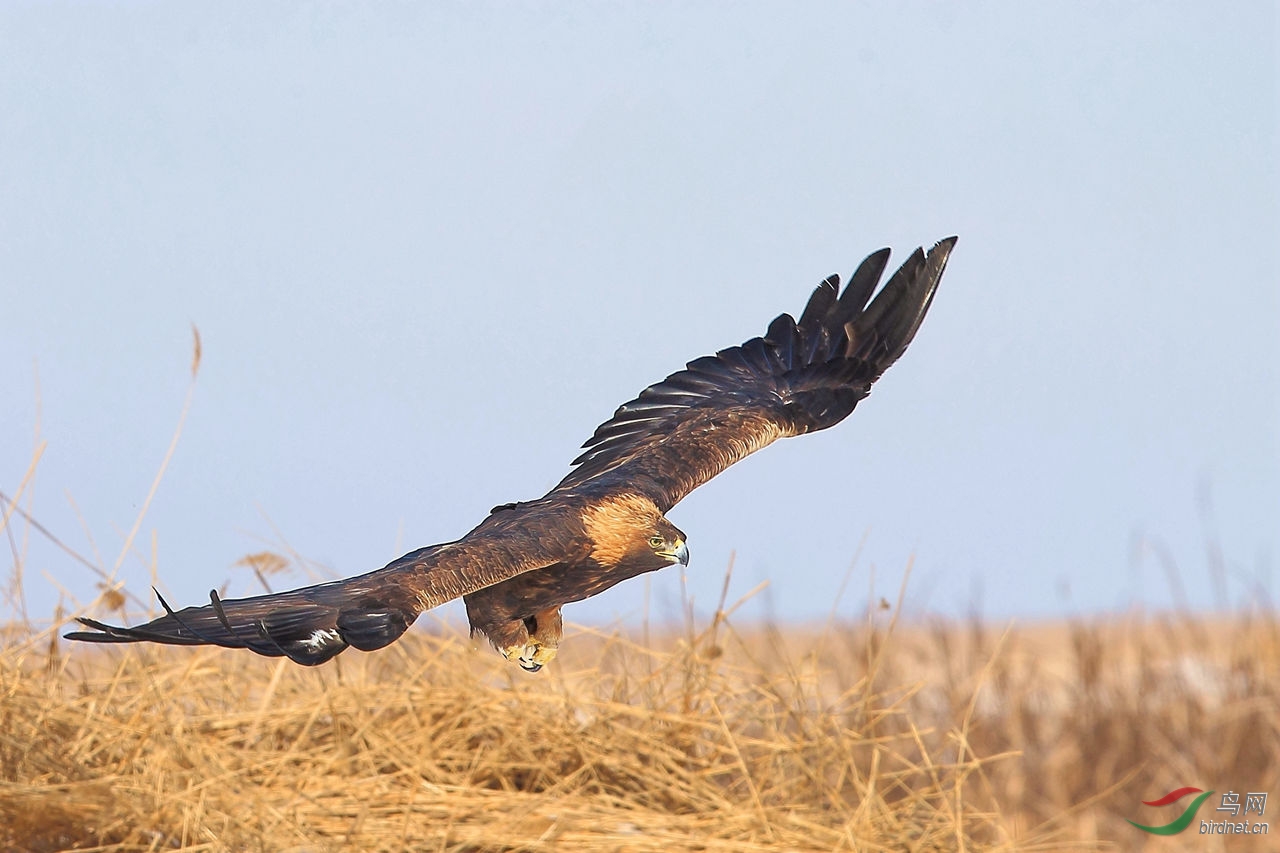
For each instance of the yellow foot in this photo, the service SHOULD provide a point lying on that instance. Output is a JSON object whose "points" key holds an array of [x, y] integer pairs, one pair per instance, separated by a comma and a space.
{"points": [[532, 656]]}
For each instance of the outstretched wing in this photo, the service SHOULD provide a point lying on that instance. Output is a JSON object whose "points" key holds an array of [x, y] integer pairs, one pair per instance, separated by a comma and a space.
{"points": [[312, 624], [802, 376]]}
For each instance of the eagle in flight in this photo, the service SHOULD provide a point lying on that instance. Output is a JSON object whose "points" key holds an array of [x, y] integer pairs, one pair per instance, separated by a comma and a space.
{"points": [[604, 522]]}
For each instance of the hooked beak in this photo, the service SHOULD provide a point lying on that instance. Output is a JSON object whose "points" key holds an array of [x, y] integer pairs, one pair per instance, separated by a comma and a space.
{"points": [[680, 554]]}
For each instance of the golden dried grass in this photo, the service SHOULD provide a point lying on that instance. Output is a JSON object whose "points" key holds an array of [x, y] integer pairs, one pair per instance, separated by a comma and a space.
{"points": [[940, 737], [432, 746]]}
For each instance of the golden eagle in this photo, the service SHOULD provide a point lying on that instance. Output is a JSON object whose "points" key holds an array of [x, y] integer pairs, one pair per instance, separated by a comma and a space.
{"points": [[604, 522]]}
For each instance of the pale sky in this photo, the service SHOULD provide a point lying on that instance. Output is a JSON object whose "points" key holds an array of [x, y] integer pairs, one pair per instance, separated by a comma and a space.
{"points": [[430, 247]]}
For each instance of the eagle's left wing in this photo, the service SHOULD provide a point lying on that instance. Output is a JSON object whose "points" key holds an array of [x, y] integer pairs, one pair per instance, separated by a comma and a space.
{"points": [[803, 375], [369, 611]]}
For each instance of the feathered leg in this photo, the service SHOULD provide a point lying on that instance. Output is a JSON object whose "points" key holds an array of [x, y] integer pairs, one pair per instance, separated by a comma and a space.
{"points": [[531, 641]]}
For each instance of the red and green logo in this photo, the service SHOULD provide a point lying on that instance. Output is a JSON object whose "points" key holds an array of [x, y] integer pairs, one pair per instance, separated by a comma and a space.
{"points": [[1184, 819]]}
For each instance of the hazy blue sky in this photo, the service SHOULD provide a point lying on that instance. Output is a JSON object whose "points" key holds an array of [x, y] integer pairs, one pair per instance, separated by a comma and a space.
{"points": [[429, 247]]}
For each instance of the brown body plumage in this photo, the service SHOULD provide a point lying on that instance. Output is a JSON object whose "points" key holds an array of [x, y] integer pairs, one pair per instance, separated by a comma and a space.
{"points": [[604, 522]]}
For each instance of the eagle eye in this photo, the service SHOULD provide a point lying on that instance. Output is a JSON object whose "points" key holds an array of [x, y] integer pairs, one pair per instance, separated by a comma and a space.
{"points": [[656, 541]]}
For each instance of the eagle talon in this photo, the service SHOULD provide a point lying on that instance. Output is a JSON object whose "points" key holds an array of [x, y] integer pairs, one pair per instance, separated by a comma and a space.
{"points": [[531, 656]]}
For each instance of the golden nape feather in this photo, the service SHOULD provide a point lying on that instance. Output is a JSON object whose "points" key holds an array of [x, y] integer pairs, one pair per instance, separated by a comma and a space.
{"points": [[605, 521]]}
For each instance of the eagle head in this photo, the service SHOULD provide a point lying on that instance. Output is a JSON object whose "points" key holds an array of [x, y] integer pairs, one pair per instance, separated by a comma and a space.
{"points": [[631, 531], [667, 543]]}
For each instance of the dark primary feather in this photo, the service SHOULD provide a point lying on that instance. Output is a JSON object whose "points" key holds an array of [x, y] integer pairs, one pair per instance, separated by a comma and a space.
{"points": [[305, 634], [802, 376], [309, 626]]}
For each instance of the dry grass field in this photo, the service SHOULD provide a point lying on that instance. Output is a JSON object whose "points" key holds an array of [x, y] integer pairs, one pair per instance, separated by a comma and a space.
{"points": [[868, 736]]}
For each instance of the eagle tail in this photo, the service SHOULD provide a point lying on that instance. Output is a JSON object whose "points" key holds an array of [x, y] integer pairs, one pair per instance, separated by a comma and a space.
{"points": [[309, 626]]}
